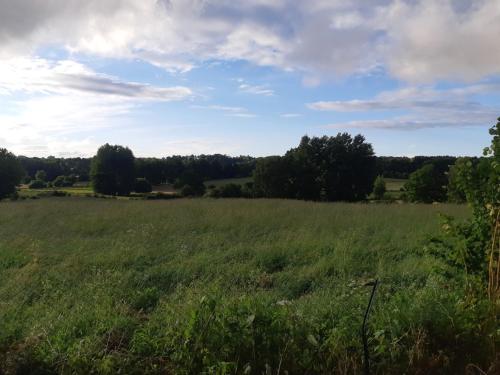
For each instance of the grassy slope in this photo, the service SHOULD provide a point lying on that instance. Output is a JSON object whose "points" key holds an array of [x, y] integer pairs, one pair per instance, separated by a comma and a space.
{"points": [[100, 285]]}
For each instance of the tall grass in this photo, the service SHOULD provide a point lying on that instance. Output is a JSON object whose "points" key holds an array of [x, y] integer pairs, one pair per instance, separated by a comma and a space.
{"points": [[229, 286]]}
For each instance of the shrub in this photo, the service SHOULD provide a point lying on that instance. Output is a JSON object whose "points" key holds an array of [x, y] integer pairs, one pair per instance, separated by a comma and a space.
{"points": [[426, 184], [187, 191], [142, 186], [379, 188], [41, 175], [226, 191], [63, 181], [37, 184]]}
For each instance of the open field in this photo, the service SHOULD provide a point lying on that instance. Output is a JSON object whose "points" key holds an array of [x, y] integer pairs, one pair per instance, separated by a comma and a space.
{"points": [[393, 186], [229, 286], [73, 190]]}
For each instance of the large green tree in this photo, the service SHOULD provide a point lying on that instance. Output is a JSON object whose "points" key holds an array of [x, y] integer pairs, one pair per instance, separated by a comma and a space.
{"points": [[11, 172], [320, 168], [112, 170]]}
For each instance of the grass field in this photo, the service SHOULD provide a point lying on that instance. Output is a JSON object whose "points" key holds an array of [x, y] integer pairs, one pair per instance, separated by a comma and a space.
{"points": [[73, 190], [229, 286], [393, 186]]}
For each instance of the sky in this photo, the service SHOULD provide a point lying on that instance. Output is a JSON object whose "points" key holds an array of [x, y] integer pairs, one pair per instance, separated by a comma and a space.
{"points": [[251, 77]]}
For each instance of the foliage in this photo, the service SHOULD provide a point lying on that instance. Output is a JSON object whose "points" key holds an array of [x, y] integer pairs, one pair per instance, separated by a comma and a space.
{"points": [[37, 184], [190, 183], [142, 186], [401, 166], [112, 170], [454, 190], [207, 167], [41, 175], [64, 181], [11, 173], [226, 191], [339, 168], [426, 185], [479, 180], [379, 188], [80, 167]]}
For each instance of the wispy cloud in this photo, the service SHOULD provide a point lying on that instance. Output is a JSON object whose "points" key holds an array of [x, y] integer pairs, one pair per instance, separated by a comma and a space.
{"points": [[256, 90], [423, 108], [290, 115], [69, 77], [227, 110], [51, 106]]}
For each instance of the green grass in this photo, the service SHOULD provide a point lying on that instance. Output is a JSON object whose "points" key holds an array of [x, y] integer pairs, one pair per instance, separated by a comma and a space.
{"points": [[393, 186], [229, 286], [74, 190]]}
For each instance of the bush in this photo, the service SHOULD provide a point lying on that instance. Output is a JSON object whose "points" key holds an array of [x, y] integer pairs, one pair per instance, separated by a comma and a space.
{"points": [[226, 191], [41, 175], [379, 188], [426, 185], [37, 184], [142, 186], [187, 191], [63, 181]]}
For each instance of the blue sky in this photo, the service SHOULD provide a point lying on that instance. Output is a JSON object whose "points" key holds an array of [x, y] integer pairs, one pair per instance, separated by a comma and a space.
{"points": [[191, 76]]}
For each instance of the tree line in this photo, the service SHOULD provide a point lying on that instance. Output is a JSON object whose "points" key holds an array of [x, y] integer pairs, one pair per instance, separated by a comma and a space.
{"points": [[335, 168]]}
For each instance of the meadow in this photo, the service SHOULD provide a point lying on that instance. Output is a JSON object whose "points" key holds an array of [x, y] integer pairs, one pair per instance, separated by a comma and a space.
{"points": [[231, 286]]}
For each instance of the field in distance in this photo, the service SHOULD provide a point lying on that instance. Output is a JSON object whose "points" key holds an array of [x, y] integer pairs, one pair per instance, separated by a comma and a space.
{"points": [[241, 286]]}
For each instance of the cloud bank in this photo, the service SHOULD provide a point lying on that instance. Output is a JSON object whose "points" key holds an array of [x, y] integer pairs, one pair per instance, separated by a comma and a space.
{"points": [[415, 41]]}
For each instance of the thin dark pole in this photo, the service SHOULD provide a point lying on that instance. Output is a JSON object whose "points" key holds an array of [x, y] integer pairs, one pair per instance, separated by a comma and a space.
{"points": [[366, 353]]}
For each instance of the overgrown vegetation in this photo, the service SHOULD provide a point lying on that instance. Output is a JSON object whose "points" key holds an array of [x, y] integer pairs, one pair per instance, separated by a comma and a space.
{"points": [[177, 287]]}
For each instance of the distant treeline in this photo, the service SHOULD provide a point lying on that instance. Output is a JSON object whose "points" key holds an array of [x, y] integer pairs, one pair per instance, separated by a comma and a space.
{"points": [[155, 170], [402, 167], [211, 167]]}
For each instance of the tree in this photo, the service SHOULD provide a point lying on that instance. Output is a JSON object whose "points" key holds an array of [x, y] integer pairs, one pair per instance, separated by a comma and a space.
{"points": [[379, 188], [142, 186], [479, 179], [426, 185], [11, 173], [326, 168], [112, 170], [41, 175], [191, 182], [272, 177], [454, 191]]}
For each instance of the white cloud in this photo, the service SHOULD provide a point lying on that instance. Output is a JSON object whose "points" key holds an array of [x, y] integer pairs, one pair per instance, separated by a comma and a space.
{"points": [[228, 110], [290, 115], [52, 107], [418, 40], [69, 77], [198, 146], [257, 90], [423, 108]]}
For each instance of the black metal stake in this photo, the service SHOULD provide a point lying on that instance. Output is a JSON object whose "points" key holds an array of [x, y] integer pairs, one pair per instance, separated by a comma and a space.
{"points": [[363, 328]]}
